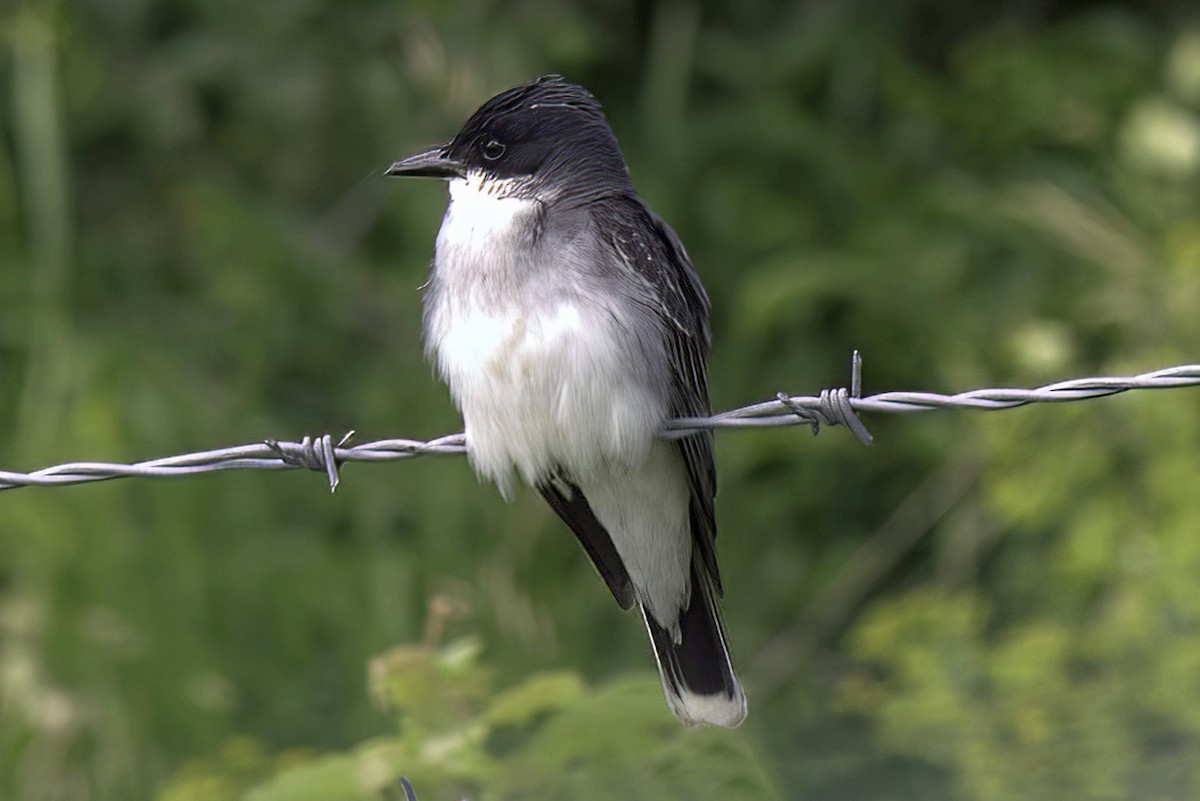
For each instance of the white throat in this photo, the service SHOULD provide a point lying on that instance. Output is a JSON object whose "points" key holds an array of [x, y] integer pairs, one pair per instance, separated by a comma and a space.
{"points": [[486, 228]]}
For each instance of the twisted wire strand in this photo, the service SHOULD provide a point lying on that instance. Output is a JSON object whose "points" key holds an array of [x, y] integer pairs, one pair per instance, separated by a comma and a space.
{"points": [[830, 408]]}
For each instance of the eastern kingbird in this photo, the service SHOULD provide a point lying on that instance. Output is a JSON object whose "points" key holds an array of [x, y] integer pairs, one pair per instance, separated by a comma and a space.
{"points": [[570, 325]]}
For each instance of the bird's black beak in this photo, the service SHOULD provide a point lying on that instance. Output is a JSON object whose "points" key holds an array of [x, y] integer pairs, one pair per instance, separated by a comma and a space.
{"points": [[430, 164]]}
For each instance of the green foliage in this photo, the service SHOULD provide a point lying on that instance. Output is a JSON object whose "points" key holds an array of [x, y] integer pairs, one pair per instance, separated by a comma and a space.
{"points": [[196, 249], [550, 736]]}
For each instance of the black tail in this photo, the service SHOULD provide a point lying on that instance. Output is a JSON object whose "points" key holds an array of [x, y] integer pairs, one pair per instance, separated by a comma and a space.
{"points": [[697, 676]]}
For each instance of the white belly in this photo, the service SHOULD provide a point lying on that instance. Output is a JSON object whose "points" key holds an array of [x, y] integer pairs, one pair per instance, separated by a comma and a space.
{"points": [[545, 389]]}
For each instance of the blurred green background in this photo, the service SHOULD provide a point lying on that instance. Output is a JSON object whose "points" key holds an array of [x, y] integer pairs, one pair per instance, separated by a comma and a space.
{"points": [[197, 250]]}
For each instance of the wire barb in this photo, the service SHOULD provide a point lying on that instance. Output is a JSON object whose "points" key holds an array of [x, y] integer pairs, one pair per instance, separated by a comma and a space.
{"points": [[310, 453], [831, 407], [812, 418], [856, 374]]}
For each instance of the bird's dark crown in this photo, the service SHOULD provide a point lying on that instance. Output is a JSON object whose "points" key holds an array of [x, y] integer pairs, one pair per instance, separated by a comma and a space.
{"points": [[547, 130]]}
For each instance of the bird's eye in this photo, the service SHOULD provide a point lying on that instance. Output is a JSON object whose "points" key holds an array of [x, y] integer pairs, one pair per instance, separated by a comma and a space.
{"points": [[492, 149]]}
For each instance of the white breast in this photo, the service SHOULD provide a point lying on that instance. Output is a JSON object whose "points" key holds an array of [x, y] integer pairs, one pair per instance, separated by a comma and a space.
{"points": [[540, 372], [543, 389]]}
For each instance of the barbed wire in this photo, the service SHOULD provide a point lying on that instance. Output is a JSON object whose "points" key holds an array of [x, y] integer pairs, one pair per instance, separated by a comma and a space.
{"points": [[831, 407]]}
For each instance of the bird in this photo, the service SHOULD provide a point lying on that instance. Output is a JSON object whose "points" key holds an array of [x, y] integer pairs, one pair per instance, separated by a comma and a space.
{"points": [[570, 325]]}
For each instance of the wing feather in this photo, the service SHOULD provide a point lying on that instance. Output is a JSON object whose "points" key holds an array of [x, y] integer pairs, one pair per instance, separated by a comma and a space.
{"points": [[670, 288]]}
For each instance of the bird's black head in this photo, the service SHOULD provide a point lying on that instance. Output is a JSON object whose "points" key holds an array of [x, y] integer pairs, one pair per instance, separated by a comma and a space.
{"points": [[546, 137]]}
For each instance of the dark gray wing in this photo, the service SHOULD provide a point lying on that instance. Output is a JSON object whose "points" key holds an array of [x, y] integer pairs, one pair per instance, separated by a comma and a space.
{"points": [[667, 284], [568, 502]]}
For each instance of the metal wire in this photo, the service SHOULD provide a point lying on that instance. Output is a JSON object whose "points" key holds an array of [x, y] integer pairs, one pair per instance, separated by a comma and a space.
{"points": [[829, 408]]}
